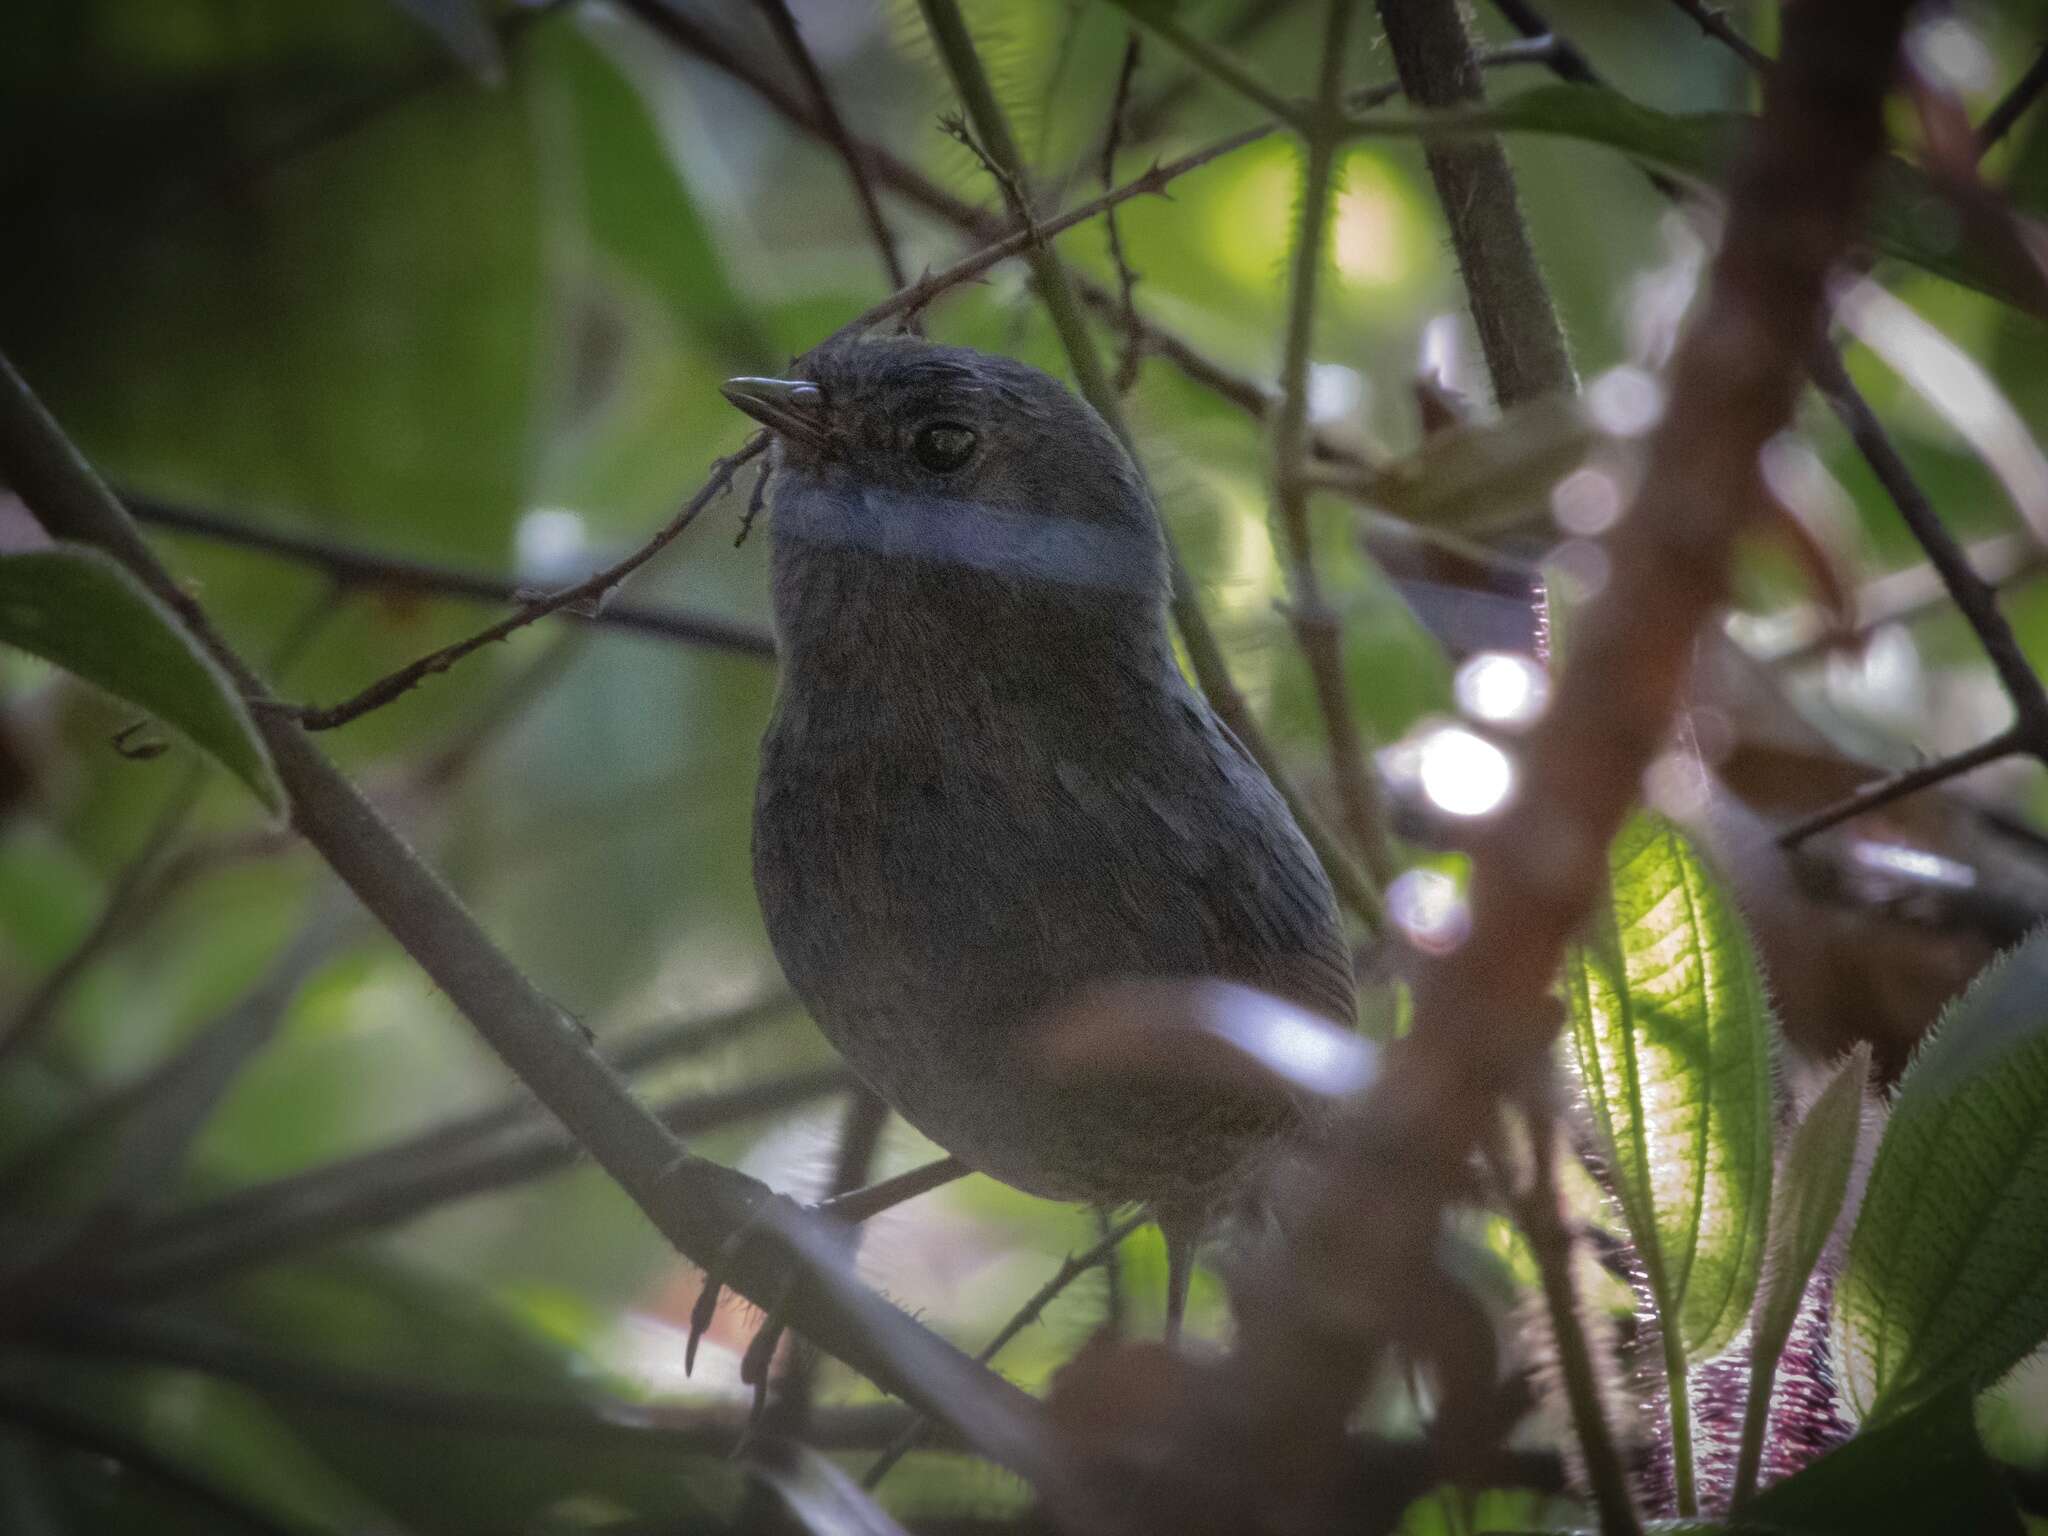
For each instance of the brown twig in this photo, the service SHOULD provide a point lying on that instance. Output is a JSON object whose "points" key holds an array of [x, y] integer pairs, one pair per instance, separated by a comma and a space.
{"points": [[783, 25], [1976, 597], [1899, 785], [592, 589], [1484, 1018], [355, 567]]}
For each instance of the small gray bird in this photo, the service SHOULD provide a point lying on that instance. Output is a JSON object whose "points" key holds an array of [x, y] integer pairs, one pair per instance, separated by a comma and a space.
{"points": [[987, 787]]}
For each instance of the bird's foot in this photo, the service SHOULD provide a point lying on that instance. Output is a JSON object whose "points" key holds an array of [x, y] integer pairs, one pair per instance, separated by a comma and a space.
{"points": [[848, 1209]]}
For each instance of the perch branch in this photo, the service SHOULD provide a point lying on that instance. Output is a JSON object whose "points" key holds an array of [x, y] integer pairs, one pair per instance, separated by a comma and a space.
{"points": [[696, 1204]]}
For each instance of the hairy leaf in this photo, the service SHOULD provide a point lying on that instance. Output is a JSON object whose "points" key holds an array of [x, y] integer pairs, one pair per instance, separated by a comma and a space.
{"points": [[1946, 1282], [1672, 1037], [79, 609], [1924, 1471]]}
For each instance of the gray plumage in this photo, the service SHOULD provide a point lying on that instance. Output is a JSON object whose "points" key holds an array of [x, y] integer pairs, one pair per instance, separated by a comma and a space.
{"points": [[987, 785]]}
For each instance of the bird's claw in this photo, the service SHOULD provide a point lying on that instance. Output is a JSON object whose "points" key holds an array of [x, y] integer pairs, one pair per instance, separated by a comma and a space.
{"points": [[754, 1363]]}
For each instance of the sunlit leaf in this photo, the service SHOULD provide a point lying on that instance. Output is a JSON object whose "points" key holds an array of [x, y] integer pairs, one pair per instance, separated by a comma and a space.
{"points": [[1672, 1037], [1946, 1281], [79, 609], [1923, 1471]]}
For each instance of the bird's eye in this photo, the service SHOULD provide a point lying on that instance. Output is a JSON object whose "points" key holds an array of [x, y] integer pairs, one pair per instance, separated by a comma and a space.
{"points": [[944, 446]]}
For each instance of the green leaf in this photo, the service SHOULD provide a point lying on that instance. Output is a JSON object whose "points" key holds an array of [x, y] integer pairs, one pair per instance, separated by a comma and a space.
{"points": [[79, 609], [1910, 215], [1923, 1471], [1672, 1037], [1809, 1199], [1946, 1282], [1483, 477]]}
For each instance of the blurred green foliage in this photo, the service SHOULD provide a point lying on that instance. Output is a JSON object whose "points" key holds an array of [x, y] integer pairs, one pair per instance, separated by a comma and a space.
{"points": [[292, 261]]}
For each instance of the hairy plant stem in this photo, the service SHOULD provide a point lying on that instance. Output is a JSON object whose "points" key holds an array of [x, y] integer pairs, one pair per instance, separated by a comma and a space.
{"points": [[1205, 655], [1316, 630]]}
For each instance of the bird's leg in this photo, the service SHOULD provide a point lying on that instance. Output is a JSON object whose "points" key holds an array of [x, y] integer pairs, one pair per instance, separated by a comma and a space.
{"points": [[1183, 1233], [851, 1208]]}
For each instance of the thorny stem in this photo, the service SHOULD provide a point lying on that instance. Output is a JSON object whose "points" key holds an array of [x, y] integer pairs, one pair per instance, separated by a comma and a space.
{"points": [[354, 567], [1205, 655], [591, 589], [696, 1204], [1316, 629]]}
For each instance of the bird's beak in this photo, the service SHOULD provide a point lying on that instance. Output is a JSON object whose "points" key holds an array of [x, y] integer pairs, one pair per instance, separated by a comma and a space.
{"points": [[792, 408]]}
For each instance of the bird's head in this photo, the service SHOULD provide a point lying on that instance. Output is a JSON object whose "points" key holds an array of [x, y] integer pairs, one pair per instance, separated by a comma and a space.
{"points": [[937, 459]]}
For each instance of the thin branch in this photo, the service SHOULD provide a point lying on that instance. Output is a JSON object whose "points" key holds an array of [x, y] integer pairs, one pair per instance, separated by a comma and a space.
{"points": [[1148, 117], [697, 1205], [592, 589], [1126, 279], [783, 25], [1899, 785], [1539, 1213], [1213, 61], [1072, 1268], [1804, 632], [1316, 630], [1715, 24], [1353, 886], [355, 567], [2012, 106], [1973, 594], [1248, 394]]}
